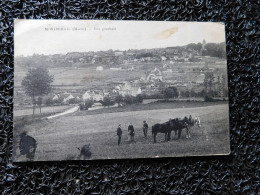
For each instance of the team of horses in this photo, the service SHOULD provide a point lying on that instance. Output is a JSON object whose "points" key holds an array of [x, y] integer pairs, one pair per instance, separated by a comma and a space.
{"points": [[176, 125]]}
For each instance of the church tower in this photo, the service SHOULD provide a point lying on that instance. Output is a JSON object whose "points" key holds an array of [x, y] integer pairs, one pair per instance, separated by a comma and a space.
{"points": [[203, 47]]}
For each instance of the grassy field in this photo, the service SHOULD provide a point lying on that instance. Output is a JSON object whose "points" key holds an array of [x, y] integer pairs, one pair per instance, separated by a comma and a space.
{"points": [[59, 138], [151, 106], [22, 111]]}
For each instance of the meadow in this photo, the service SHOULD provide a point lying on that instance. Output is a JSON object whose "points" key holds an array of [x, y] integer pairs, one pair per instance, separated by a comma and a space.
{"points": [[59, 138]]}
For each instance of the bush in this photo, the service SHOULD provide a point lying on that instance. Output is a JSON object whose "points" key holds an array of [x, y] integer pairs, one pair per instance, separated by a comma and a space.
{"points": [[139, 98], [82, 106], [171, 92], [107, 102], [208, 99], [49, 102], [129, 99], [72, 101], [86, 105], [119, 99]]}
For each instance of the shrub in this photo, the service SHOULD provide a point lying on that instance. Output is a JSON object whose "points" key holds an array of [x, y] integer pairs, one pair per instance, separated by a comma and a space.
{"points": [[208, 99], [49, 102], [139, 98], [171, 92], [86, 105], [107, 102], [128, 99]]}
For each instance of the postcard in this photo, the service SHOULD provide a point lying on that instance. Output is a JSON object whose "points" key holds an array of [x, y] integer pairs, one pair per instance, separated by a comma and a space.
{"points": [[100, 89]]}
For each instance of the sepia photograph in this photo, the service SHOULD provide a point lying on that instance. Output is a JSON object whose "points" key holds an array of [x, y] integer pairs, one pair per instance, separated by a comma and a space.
{"points": [[102, 89]]}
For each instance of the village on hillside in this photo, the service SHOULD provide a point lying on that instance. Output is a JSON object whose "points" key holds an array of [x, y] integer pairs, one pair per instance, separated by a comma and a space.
{"points": [[195, 70]]}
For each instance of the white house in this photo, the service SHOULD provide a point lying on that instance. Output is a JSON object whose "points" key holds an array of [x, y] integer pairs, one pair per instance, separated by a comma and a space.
{"points": [[87, 95], [92, 95], [163, 58], [99, 68], [116, 68], [128, 89], [56, 97], [65, 100], [155, 75], [98, 97]]}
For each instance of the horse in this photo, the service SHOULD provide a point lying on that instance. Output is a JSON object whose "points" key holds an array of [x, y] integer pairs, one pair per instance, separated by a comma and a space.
{"points": [[178, 125], [191, 122], [197, 121], [162, 128]]}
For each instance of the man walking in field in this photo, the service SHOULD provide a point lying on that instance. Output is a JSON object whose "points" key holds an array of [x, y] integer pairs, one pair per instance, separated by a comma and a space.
{"points": [[119, 134], [145, 128], [131, 131]]}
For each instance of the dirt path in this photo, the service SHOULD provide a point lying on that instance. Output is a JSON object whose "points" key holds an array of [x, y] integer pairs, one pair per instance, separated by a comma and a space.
{"points": [[69, 111]]}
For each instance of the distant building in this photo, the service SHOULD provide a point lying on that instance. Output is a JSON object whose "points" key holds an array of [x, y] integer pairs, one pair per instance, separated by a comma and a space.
{"points": [[99, 68], [200, 79], [155, 75], [56, 97], [93, 95], [128, 89], [65, 100], [87, 95], [116, 68], [97, 97], [163, 58]]}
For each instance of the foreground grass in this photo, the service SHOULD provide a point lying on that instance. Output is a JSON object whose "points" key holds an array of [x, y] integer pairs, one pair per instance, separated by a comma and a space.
{"points": [[59, 138]]}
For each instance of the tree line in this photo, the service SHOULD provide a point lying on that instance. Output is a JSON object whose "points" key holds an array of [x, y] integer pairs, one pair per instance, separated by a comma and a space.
{"points": [[211, 49]]}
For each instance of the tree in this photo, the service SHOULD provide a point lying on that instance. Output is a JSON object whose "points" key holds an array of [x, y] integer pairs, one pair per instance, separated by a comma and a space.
{"points": [[170, 92], [107, 102], [86, 105], [119, 99], [208, 81], [129, 99], [139, 98], [39, 103], [37, 83]]}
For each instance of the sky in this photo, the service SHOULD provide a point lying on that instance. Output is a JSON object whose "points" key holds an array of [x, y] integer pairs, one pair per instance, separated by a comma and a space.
{"points": [[48, 37]]}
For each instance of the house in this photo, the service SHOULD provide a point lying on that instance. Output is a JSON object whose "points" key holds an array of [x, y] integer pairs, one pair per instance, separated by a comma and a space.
{"points": [[130, 68], [200, 79], [163, 58], [98, 97], [128, 89], [56, 97], [99, 68], [93, 95], [116, 68], [66, 100], [119, 53], [87, 95], [155, 75]]}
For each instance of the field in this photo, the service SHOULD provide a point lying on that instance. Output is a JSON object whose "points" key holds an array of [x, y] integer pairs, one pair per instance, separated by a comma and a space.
{"points": [[86, 74], [59, 138], [46, 110]]}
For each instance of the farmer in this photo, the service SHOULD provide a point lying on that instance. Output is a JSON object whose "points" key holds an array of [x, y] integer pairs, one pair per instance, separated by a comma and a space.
{"points": [[145, 128], [131, 131], [119, 134]]}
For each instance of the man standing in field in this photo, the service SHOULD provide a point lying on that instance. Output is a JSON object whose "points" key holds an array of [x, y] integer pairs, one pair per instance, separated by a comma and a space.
{"points": [[131, 131], [119, 134], [145, 128]]}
